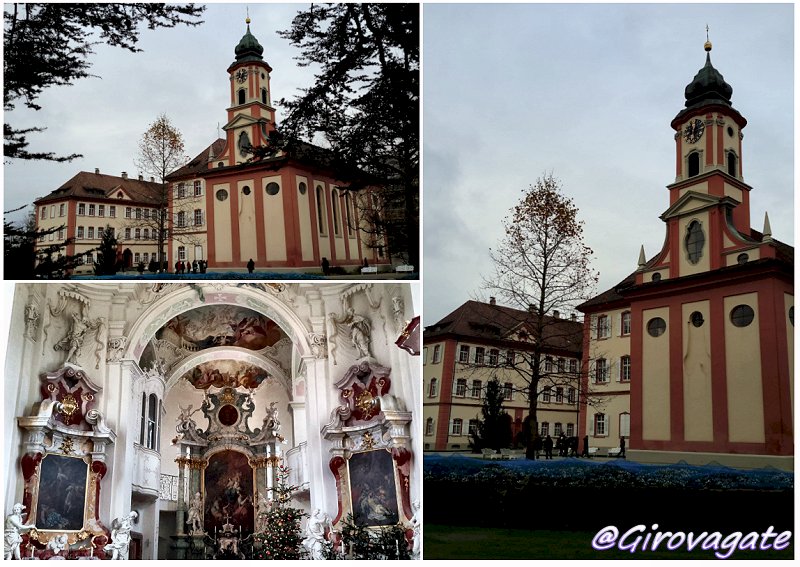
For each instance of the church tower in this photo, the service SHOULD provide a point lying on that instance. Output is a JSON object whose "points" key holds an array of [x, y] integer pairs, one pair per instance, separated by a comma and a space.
{"points": [[251, 116]]}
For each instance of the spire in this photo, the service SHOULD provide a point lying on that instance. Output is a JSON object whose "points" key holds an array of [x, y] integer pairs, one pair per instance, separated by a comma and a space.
{"points": [[767, 232], [708, 85], [248, 48], [642, 259]]}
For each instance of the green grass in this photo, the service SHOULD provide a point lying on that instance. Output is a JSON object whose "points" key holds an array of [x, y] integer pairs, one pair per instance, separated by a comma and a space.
{"points": [[452, 542]]}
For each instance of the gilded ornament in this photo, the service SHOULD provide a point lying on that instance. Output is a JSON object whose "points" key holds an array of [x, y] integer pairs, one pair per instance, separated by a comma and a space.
{"points": [[368, 441], [68, 406], [66, 446]]}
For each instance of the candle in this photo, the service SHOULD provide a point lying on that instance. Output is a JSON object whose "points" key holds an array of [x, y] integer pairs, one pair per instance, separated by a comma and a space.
{"points": [[397, 548]]}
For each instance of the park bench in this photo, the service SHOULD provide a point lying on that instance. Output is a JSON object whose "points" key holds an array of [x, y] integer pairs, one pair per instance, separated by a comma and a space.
{"points": [[508, 454], [490, 454], [404, 268], [369, 270], [592, 451], [615, 452]]}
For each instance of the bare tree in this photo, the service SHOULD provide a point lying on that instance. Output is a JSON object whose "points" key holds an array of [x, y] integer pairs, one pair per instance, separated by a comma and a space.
{"points": [[161, 151], [541, 268]]}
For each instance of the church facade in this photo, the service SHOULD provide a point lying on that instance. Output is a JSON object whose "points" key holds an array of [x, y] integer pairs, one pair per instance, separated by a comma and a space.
{"points": [[692, 354], [289, 210], [185, 403]]}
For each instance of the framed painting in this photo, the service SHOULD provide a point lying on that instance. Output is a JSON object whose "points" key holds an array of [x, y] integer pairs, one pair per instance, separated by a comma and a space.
{"points": [[373, 488], [228, 488], [61, 493]]}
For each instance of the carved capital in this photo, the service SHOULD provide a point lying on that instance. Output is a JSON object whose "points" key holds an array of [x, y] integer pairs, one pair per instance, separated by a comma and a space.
{"points": [[319, 345], [116, 347]]}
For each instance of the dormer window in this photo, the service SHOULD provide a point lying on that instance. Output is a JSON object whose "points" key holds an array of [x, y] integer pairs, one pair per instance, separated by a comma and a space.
{"points": [[694, 164]]}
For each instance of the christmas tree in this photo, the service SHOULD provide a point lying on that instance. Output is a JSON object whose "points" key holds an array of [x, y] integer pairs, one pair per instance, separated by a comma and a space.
{"points": [[279, 536], [360, 542]]}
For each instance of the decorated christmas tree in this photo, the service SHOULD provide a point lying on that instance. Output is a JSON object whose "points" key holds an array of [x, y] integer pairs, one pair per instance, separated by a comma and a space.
{"points": [[388, 542], [279, 536]]}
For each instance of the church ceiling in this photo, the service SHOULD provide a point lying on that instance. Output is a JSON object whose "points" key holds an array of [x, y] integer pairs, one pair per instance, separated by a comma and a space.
{"points": [[226, 373]]}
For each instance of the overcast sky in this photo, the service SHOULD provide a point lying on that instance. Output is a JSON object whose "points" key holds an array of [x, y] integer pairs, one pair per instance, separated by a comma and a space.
{"points": [[587, 92], [181, 72]]}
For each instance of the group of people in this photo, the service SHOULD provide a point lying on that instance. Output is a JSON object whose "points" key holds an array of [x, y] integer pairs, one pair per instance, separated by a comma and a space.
{"points": [[566, 446], [195, 267]]}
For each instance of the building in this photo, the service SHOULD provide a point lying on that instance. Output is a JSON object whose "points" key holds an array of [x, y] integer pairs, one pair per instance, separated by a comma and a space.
{"points": [[693, 352], [226, 206], [480, 341], [122, 396]]}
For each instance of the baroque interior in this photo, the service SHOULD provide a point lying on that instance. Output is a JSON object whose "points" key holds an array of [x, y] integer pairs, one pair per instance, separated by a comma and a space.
{"points": [[173, 407]]}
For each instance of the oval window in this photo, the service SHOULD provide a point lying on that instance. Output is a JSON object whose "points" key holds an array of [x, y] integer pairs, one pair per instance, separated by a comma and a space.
{"points": [[222, 195], [742, 315], [656, 277], [656, 327], [742, 258], [302, 188], [695, 240], [697, 319], [272, 188], [246, 190]]}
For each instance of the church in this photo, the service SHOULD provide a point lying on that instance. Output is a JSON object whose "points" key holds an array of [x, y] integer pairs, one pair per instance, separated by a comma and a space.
{"points": [[184, 414], [289, 210], [692, 355]]}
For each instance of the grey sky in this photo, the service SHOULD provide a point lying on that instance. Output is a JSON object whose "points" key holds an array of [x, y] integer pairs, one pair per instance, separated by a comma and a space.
{"points": [[587, 91], [181, 72]]}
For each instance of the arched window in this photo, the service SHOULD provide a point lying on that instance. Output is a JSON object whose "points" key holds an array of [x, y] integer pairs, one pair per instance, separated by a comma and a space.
{"points": [[321, 209], [347, 212], [264, 95], [732, 169], [144, 419], [241, 96], [694, 164], [335, 205], [152, 421]]}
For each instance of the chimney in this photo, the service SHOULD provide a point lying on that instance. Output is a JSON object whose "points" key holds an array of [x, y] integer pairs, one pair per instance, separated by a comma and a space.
{"points": [[556, 314], [573, 318], [492, 301], [124, 174], [96, 170], [140, 177], [531, 307], [151, 179]]}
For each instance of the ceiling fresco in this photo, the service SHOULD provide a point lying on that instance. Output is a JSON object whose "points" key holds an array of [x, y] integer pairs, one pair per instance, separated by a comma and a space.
{"points": [[213, 326], [226, 373]]}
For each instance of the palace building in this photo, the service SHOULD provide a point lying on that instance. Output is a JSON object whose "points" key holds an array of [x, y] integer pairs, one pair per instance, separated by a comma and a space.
{"points": [[182, 403], [288, 210], [481, 341], [693, 352]]}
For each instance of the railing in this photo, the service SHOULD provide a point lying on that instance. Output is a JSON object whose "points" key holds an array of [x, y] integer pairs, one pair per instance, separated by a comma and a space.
{"points": [[168, 489], [297, 461]]}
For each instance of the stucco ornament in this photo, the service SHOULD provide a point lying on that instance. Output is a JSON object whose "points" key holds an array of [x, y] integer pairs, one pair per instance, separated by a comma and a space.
{"points": [[399, 309], [121, 536], [73, 341], [316, 541], [116, 348], [57, 544], [319, 345], [31, 321], [13, 532], [416, 525], [360, 330]]}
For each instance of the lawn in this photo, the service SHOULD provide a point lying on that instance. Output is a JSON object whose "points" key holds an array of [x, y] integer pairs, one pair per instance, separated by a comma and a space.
{"points": [[458, 542]]}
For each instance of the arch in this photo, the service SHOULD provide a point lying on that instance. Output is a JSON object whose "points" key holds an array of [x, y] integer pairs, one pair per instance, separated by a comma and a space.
{"points": [[241, 96], [732, 163], [186, 298], [335, 212], [693, 164]]}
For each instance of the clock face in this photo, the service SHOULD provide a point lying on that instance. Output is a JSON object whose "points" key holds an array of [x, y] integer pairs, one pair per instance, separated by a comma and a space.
{"points": [[694, 131], [241, 75]]}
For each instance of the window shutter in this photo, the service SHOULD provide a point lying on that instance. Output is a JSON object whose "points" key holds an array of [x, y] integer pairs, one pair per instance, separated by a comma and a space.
{"points": [[619, 323], [450, 427], [591, 425], [618, 371], [593, 323]]}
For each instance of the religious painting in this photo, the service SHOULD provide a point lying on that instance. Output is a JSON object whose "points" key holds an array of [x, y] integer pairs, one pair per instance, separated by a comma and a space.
{"points": [[61, 493], [373, 490], [228, 484], [226, 373]]}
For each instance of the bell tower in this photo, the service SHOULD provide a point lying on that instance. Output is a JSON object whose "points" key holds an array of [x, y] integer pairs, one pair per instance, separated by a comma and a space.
{"points": [[251, 116], [708, 143]]}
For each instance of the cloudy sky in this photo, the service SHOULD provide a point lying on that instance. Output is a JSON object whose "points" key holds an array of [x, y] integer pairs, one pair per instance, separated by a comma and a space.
{"points": [[587, 92], [181, 72]]}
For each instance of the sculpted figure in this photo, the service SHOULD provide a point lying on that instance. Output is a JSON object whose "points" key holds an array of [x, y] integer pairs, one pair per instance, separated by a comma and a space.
{"points": [[416, 524], [121, 536], [57, 544], [359, 332], [195, 518], [13, 532], [315, 541], [271, 419], [73, 342]]}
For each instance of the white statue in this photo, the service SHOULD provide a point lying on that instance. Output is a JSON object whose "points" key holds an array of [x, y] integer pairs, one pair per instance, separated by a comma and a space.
{"points": [[186, 415], [315, 541], [359, 332], [73, 342], [121, 536], [31, 321], [57, 544], [195, 518], [271, 419], [416, 525], [14, 528]]}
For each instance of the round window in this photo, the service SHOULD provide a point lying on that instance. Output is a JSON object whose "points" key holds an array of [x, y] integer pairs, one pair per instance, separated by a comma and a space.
{"points": [[730, 131], [656, 277], [697, 319], [246, 190], [222, 195], [220, 164], [742, 315], [742, 258], [302, 188], [272, 188], [228, 415], [656, 326]]}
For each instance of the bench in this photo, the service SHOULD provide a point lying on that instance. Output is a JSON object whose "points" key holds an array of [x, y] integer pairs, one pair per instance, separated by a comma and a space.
{"points": [[369, 270], [508, 454], [592, 451], [615, 452], [490, 454], [404, 268]]}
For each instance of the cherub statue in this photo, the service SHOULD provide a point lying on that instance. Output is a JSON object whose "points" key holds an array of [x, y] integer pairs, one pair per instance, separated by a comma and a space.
{"points": [[271, 419], [316, 540], [57, 544], [13, 532], [121, 536]]}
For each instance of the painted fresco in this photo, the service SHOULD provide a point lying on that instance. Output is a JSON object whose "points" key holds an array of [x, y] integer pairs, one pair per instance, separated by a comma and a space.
{"points": [[226, 373], [228, 484], [372, 489], [62, 493]]}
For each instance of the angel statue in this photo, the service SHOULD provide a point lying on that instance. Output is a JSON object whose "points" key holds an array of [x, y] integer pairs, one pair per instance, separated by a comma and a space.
{"points": [[271, 419], [13, 531], [359, 332], [186, 415], [73, 341], [316, 541], [121, 536]]}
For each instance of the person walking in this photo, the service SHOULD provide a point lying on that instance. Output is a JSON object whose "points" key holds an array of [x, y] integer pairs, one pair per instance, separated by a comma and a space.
{"points": [[326, 267], [622, 447], [548, 447], [251, 266], [585, 452]]}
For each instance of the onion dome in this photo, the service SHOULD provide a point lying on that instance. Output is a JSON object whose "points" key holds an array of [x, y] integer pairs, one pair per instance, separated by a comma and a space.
{"points": [[708, 86], [248, 49]]}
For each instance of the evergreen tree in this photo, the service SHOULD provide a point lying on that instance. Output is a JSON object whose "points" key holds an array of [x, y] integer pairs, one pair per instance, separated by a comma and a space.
{"points": [[106, 263], [494, 430], [361, 542], [281, 537]]}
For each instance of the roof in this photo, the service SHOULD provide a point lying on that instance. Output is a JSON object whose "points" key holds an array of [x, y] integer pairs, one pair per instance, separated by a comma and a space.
{"points": [[200, 162], [490, 322], [88, 185]]}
